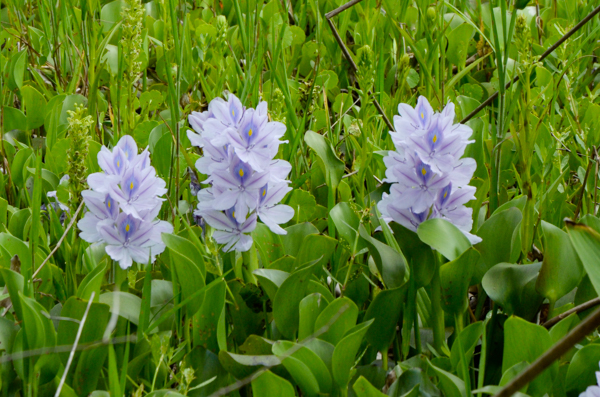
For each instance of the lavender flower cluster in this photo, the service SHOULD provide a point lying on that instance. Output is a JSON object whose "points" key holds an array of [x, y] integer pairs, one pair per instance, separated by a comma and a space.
{"points": [[245, 182], [429, 177], [123, 202]]}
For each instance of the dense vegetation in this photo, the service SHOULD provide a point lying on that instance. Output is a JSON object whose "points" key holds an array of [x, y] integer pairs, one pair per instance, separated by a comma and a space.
{"points": [[209, 198]]}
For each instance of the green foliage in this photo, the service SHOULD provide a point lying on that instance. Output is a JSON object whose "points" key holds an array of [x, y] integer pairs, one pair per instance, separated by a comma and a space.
{"points": [[344, 303]]}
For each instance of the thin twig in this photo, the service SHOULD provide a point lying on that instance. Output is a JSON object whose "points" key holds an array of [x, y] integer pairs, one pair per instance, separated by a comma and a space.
{"points": [[577, 309], [549, 51], [66, 348], [347, 55], [72, 354], [60, 240], [545, 360]]}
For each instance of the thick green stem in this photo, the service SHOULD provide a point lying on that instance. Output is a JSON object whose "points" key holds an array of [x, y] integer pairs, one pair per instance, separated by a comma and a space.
{"points": [[437, 313], [464, 366]]}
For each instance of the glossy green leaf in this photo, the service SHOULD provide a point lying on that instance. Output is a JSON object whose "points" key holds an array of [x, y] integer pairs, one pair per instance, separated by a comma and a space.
{"points": [[269, 384], [92, 283], [385, 315], [583, 367], [455, 279], [310, 308], [513, 288], [286, 349], [336, 319], [390, 263], [347, 223], [497, 234], [334, 167], [524, 341], [287, 300], [345, 352], [362, 388], [586, 242], [443, 236], [561, 268]]}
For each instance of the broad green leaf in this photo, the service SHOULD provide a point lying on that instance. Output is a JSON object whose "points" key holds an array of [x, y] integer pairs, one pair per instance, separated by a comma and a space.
{"points": [[188, 270], [92, 283], [336, 319], [497, 234], [207, 368], [524, 341], [309, 358], [292, 240], [287, 300], [458, 43], [390, 263], [443, 236], [186, 248], [385, 317], [35, 107], [586, 242], [124, 304], [270, 280], [347, 223], [206, 320], [455, 279], [345, 353], [14, 282], [450, 384], [561, 269], [269, 244], [583, 367], [513, 288], [334, 167], [310, 308], [269, 384], [416, 252], [316, 247], [304, 205], [362, 388]]}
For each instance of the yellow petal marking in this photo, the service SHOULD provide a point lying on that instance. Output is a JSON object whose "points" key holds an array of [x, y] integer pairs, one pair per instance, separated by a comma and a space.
{"points": [[250, 132], [422, 115], [241, 172], [434, 139], [108, 203], [264, 192], [118, 164], [131, 186], [423, 171], [445, 194], [233, 113], [127, 228]]}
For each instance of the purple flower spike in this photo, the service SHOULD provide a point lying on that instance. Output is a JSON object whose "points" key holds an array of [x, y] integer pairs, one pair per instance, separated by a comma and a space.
{"points": [[123, 203], [429, 177], [246, 183]]}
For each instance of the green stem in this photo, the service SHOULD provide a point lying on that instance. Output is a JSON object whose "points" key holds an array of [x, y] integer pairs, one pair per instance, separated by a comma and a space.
{"points": [[459, 325], [437, 313]]}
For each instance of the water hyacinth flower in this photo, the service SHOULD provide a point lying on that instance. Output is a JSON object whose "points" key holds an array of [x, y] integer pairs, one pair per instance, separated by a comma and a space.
{"points": [[428, 174], [122, 205], [245, 182]]}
